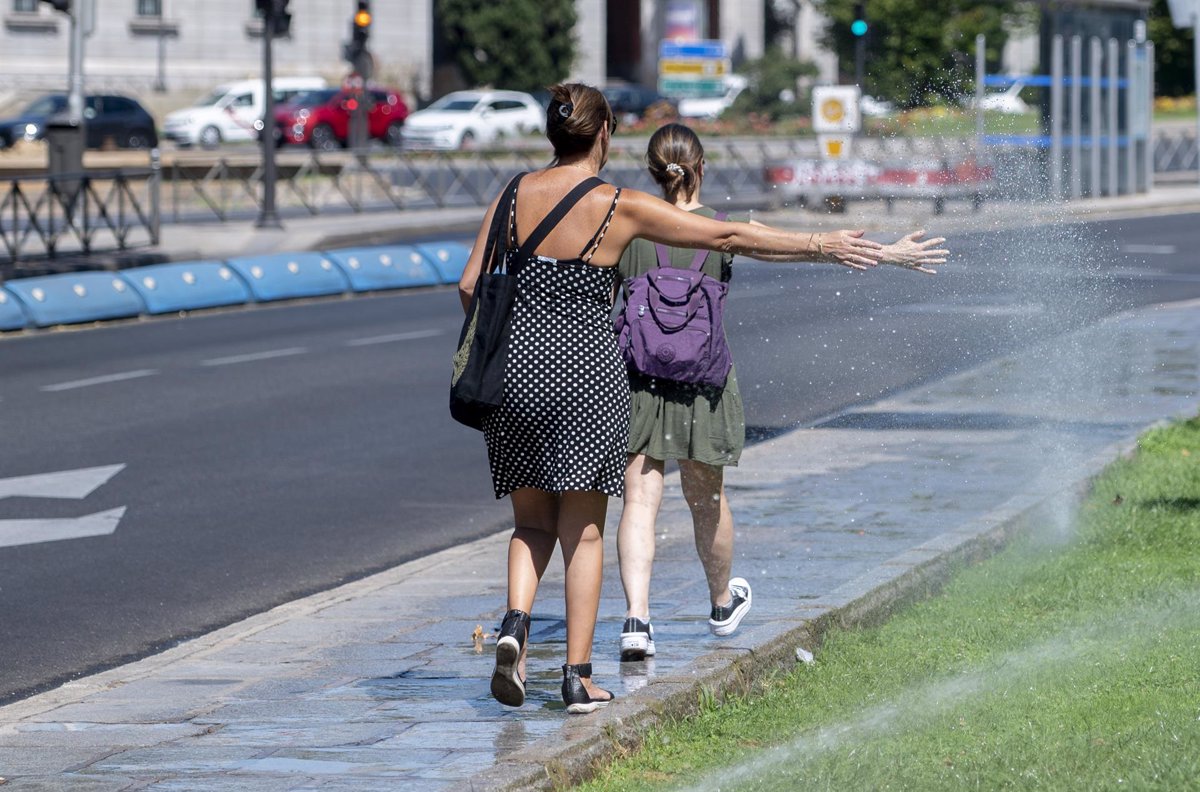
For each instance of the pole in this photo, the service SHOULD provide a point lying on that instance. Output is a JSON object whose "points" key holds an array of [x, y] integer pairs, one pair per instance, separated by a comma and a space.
{"points": [[1196, 67], [1056, 118], [980, 75], [75, 77], [1148, 108], [1132, 89], [1113, 136], [860, 57], [1094, 129], [267, 217], [1076, 118], [160, 80]]}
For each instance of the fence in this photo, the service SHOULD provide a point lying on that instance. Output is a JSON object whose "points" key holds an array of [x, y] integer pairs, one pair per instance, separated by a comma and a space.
{"points": [[47, 216], [1098, 147]]}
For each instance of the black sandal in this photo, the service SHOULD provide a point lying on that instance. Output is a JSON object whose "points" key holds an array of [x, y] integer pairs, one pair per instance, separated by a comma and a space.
{"points": [[507, 686], [575, 695]]}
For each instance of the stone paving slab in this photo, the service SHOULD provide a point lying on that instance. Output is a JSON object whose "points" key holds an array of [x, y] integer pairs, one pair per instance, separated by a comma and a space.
{"points": [[379, 684]]}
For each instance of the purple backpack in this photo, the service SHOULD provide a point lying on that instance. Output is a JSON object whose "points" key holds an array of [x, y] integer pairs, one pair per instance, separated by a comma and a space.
{"points": [[671, 325]]}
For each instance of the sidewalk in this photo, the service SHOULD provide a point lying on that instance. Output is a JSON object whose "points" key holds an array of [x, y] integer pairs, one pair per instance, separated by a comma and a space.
{"points": [[183, 242], [379, 684]]}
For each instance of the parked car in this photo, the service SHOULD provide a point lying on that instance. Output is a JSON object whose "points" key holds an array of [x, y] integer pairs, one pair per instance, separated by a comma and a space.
{"points": [[321, 119], [712, 107], [1007, 101], [229, 111], [109, 120], [630, 102], [464, 119]]}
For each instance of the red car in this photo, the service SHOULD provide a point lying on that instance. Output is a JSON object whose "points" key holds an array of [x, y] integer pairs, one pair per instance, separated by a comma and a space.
{"points": [[322, 118]]}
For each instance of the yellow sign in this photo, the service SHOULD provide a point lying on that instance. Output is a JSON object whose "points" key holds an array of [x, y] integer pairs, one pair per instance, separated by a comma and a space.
{"points": [[834, 147], [833, 110], [694, 67]]}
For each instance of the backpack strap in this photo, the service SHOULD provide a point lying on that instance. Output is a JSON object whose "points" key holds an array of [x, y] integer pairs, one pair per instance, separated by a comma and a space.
{"points": [[664, 258], [557, 214], [502, 218]]}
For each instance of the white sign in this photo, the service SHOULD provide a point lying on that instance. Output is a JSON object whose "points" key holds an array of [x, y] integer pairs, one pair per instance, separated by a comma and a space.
{"points": [[1184, 13], [65, 484], [835, 108]]}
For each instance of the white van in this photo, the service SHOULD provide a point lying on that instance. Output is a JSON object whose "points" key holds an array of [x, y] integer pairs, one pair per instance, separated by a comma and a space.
{"points": [[230, 110]]}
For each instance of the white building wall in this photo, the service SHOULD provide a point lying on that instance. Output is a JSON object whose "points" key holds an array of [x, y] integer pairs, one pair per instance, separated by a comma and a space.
{"points": [[591, 42], [216, 40]]}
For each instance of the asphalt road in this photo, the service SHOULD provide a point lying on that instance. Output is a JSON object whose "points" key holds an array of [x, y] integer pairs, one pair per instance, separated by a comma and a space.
{"points": [[275, 451]]}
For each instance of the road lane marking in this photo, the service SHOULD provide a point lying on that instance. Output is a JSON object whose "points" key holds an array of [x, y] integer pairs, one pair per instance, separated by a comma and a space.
{"points": [[1157, 250], [75, 484], [23, 532], [387, 339], [253, 356], [107, 378]]}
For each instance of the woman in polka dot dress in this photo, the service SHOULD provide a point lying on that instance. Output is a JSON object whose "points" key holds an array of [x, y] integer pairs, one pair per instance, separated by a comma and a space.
{"points": [[557, 444]]}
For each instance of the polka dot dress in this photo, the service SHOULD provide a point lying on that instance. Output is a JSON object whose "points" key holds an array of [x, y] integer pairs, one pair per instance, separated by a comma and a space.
{"points": [[563, 423]]}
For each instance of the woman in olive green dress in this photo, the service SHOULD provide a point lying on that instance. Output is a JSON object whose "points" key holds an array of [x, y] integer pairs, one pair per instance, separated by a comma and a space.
{"points": [[702, 428]]}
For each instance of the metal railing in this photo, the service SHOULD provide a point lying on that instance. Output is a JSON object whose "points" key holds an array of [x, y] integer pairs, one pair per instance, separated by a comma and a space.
{"points": [[48, 216]]}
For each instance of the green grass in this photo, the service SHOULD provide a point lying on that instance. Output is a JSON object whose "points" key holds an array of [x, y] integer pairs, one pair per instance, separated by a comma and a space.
{"points": [[1063, 663]]}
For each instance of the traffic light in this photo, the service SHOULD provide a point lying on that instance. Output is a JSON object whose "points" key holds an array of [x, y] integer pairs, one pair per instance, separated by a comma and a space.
{"points": [[276, 12], [859, 26], [60, 5], [362, 25]]}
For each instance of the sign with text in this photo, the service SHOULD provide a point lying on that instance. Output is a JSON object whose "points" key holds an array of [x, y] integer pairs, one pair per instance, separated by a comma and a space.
{"points": [[835, 109], [692, 69]]}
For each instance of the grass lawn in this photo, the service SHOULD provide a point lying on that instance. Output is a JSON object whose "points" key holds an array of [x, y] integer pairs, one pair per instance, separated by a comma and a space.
{"points": [[1063, 663]]}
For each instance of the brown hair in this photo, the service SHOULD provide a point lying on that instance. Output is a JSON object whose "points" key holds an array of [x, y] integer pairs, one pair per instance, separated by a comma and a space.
{"points": [[674, 156], [576, 114]]}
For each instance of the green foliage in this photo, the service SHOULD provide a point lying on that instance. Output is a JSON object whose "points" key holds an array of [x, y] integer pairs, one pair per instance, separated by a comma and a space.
{"points": [[1066, 662], [1173, 53], [521, 45], [771, 77], [922, 52]]}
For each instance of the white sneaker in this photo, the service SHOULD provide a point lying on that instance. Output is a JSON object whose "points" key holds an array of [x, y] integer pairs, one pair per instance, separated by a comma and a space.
{"points": [[637, 639], [726, 618]]}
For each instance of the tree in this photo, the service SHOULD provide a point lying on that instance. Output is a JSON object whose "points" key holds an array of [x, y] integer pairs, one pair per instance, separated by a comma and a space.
{"points": [[1173, 53], [922, 51], [772, 80], [523, 45]]}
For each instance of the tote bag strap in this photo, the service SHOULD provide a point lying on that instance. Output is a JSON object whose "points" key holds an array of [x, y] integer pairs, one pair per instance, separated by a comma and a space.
{"points": [[500, 220], [664, 256]]}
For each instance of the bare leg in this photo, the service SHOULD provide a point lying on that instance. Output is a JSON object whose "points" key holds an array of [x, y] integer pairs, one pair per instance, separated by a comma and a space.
{"points": [[635, 534], [531, 547], [712, 523], [580, 532]]}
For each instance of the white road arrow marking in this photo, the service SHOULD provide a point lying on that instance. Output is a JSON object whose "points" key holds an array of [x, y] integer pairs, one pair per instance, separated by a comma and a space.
{"points": [[76, 484], [21, 532]]}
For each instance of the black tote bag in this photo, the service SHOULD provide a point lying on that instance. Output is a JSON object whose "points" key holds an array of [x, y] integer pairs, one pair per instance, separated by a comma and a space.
{"points": [[477, 383]]}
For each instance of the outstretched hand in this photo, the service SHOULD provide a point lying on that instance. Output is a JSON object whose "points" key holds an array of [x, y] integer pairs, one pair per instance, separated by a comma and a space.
{"points": [[849, 249], [911, 252]]}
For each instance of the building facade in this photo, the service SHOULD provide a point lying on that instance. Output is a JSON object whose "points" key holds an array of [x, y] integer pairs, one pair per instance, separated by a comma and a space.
{"points": [[185, 47]]}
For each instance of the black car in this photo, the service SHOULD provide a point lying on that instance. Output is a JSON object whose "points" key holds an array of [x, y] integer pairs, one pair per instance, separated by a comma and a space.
{"points": [[630, 102], [110, 120]]}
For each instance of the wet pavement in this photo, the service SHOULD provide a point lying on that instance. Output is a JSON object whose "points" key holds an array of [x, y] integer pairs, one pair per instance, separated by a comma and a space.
{"points": [[382, 683]]}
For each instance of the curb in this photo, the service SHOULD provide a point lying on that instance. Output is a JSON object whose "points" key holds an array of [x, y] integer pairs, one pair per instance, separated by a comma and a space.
{"points": [[735, 669]]}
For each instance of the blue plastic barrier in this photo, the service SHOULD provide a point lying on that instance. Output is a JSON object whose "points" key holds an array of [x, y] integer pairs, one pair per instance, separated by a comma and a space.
{"points": [[450, 258], [77, 297], [283, 276], [187, 286], [386, 267], [11, 315]]}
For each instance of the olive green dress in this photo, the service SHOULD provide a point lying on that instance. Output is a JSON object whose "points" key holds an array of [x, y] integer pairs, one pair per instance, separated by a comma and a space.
{"points": [[674, 420]]}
